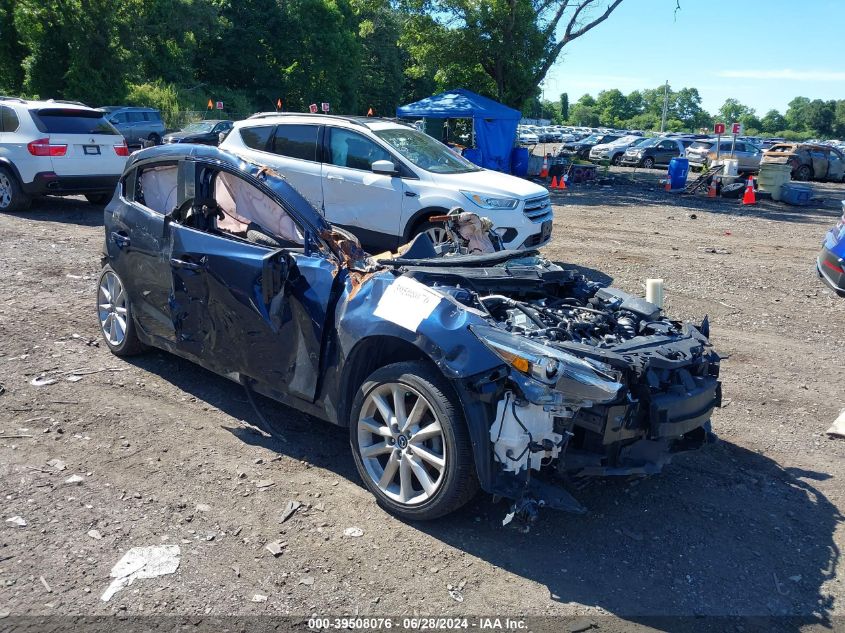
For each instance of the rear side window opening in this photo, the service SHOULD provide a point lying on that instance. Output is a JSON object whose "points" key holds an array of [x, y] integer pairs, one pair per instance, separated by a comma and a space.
{"points": [[72, 121], [8, 119], [257, 137], [296, 141]]}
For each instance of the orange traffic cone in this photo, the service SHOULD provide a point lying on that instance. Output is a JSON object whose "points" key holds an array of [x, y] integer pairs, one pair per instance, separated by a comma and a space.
{"points": [[562, 183], [544, 172], [554, 183], [668, 186], [711, 191], [748, 197]]}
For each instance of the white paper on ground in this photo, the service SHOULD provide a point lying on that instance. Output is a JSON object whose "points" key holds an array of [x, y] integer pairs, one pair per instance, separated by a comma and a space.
{"points": [[142, 562], [407, 303], [838, 428]]}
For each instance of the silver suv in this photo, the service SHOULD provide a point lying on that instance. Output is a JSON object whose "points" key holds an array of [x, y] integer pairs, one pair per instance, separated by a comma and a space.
{"points": [[139, 126], [56, 148]]}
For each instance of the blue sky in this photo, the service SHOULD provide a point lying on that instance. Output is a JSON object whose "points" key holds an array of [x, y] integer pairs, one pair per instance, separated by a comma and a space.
{"points": [[762, 52]]}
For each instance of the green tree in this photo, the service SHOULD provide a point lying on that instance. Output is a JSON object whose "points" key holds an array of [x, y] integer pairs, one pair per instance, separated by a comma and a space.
{"points": [[820, 116], [612, 107], [382, 78], [564, 106], [773, 121], [796, 116], [686, 107], [513, 42], [582, 114], [11, 50], [732, 111]]}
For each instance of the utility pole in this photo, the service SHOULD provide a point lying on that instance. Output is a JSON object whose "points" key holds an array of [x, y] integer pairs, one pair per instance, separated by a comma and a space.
{"points": [[665, 107]]}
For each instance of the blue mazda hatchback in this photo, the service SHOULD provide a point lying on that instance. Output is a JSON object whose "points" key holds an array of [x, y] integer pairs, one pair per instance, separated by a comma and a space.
{"points": [[830, 263], [451, 368]]}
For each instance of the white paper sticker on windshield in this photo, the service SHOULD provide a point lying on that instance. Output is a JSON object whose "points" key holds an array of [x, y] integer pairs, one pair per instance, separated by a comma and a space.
{"points": [[407, 303]]}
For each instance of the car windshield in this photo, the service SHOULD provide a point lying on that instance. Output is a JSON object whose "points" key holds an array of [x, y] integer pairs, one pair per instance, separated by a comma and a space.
{"points": [[425, 152], [199, 126], [593, 138], [650, 142], [702, 145]]}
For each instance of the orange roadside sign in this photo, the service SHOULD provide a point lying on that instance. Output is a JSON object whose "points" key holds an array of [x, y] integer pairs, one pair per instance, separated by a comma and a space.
{"points": [[210, 104]]}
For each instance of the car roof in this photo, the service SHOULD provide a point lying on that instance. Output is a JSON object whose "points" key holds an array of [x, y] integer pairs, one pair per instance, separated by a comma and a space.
{"points": [[371, 123], [134, 108], [48, 103], [207, 153]]}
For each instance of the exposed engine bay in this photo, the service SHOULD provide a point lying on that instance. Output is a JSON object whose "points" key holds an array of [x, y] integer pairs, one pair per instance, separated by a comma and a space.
{"points": [[604, 384]]}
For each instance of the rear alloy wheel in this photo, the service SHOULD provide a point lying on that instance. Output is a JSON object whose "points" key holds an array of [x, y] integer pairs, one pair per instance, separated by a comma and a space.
{"points": [[804, 172], [648, 162], [98, 199], [617, 159], [436, 231], [12, 197], [410, 443], [114, 313], [154, 138]]}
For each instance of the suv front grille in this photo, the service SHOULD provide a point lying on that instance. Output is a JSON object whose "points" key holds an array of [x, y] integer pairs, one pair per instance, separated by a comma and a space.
{"points": [[537, 208]]}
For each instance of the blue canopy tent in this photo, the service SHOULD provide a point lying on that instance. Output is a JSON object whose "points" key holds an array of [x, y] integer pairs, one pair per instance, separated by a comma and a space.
{"points": [[494, 124]]}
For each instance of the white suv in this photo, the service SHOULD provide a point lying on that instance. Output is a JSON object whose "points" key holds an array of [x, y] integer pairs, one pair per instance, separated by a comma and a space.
{"points": [[56, 148], [383, 180]]}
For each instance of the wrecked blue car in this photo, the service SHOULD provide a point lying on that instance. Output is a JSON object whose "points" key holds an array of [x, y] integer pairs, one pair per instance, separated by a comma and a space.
{"points": [[452, 368], [830, 263]]}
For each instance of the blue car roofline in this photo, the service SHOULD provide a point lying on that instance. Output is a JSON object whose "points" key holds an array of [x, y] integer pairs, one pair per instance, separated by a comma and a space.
{"points": [[270, 178]]}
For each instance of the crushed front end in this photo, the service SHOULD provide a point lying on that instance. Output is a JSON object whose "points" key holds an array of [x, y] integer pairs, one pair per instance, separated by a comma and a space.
{"points": [[596, 381]]}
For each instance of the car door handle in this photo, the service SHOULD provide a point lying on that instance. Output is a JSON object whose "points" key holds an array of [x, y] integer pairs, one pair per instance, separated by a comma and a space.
{"points": [[338, 178], [188, 265], [411, 194], [120, 239]]}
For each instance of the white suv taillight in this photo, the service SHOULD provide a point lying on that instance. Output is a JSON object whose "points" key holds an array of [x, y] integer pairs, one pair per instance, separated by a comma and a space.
{"points": [[43, 147], [122, 149]]}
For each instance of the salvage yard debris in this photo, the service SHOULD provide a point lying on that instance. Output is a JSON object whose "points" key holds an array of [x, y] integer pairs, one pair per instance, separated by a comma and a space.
{"points": [[289, 510], [17, 520], [142, 562]]}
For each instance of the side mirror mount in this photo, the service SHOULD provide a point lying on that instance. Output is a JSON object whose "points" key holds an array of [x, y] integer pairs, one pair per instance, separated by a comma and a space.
{"points": [[274, 273], [384, 167]]}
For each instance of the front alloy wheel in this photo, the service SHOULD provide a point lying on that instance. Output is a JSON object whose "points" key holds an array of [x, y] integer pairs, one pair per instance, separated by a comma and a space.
{"points": [[410, 442]]}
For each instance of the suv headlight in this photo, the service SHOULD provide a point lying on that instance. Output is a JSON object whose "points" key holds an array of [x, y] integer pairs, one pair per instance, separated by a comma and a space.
{"points": [[491, 202], [576, 378]]}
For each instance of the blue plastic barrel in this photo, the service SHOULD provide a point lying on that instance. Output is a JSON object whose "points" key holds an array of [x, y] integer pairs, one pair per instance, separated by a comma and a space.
{"points": [[678, 170], [519, 162], [473, 155]]}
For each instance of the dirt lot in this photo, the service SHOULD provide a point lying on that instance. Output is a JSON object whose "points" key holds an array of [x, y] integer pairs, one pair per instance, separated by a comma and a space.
{"points": [[751, 526]]}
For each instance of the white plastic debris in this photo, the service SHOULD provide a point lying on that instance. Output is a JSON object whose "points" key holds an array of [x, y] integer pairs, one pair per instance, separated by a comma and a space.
{"points": [[75, 479], [17, 520], [95, 534], [353, 532], [42, 381], [259, 598], [57, 464], [838, 428], [142, 562]]}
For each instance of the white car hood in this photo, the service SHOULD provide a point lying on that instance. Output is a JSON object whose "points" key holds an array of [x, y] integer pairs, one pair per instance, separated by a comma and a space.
{"points": [[490, 182]]}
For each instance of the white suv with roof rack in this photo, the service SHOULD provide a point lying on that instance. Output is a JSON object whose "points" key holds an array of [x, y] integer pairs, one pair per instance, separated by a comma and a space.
{"points": [[56, 148], [383, 180]]}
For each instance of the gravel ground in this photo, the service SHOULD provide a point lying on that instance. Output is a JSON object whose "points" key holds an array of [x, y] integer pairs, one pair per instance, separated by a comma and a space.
{"points": [[749, 527]]}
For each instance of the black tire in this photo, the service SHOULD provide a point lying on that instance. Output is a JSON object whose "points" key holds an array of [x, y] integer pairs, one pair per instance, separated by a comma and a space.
{"points": [[804, 173], [12, 197], [617, 159], [130, 345], [648, 162], [154, 138], [458, 482], [98, 199]]}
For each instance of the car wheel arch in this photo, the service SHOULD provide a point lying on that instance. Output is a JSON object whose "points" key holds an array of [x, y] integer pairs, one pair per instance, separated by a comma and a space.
{"points": [[419, 218], [368, 355], [5, 162]]}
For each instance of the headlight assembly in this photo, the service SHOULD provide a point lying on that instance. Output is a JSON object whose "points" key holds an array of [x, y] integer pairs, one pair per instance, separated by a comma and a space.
{"points": [[576, 378], [491, 202]]}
